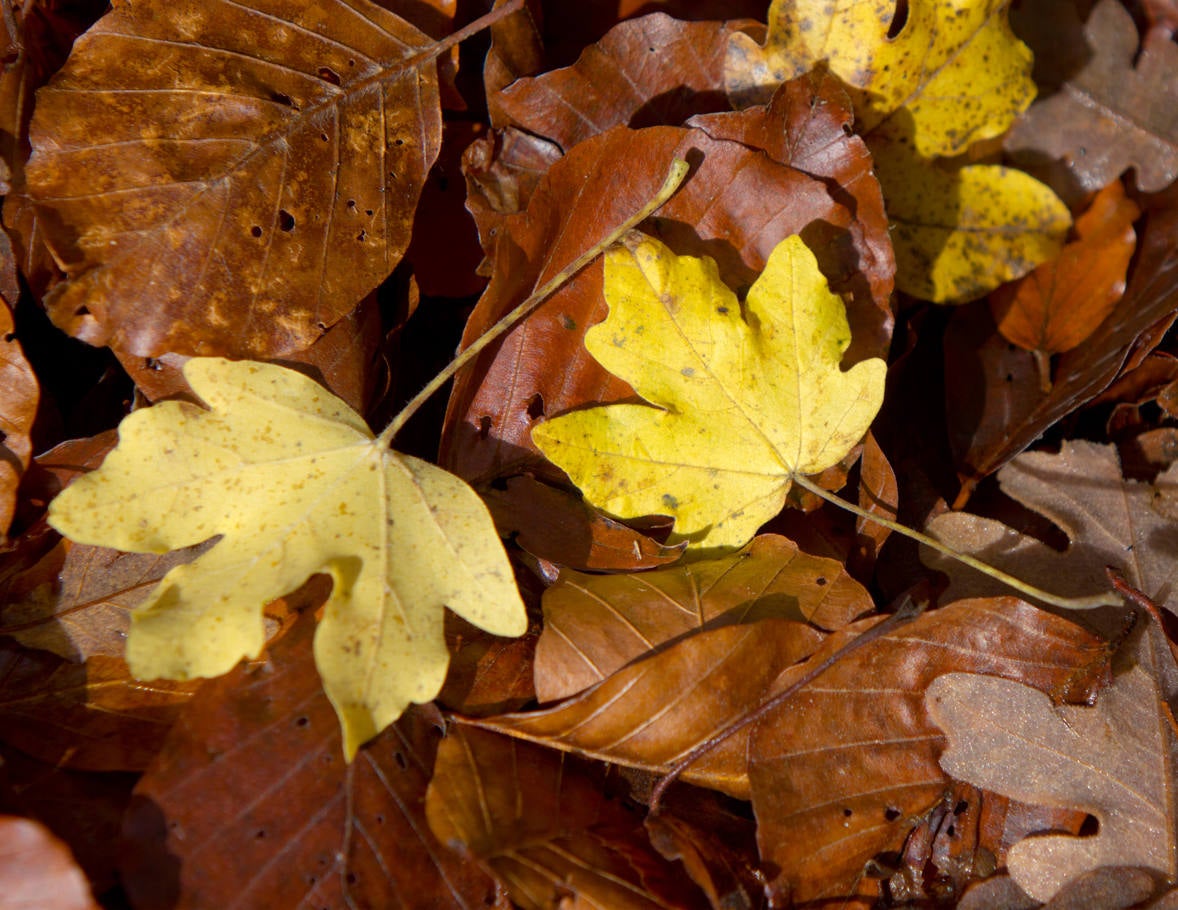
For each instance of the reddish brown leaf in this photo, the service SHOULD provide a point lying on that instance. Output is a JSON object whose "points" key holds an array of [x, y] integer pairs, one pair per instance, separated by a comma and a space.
{"points": [[807, 125], [842, 769], [488, 674], [657, 709], [542, 823], [250, 804], [534, 515], [91, 716], [216, 172], [84, 809], [995, 411], [644, 72], [595, 625], [37, 870], [1115, 111], [20, 394], [1062, 302]]}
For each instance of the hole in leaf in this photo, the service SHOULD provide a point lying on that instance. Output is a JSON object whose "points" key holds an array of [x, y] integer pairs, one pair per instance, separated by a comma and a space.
{"points": [[324, 137], [82, 311], [891, 813], [260, 834], [352, 205], [380, 819], [847, 813], [398, 142], [1090, 826], [820, 581], [368, 212], [962, 806], [327, 74], [283, 98], [362, 236], [256, 231], [484, 427], [400, 759], [351, 876], [536, 407], [899, 19], [286, 221], [302, 722]]}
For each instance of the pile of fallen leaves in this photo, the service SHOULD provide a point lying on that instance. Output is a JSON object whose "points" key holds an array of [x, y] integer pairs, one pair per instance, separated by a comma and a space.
{"points": [[923, 257]]}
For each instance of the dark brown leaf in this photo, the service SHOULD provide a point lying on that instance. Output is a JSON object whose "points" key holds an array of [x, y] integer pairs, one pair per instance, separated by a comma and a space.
{"points": [[541, 821], [840, 772], [1119, 110], [250, 804], [244, 191]]}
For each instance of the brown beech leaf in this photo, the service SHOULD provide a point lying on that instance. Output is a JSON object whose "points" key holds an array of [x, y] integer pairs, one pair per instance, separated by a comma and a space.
{"points": [[91, 716], [596, 624], [643, 72], [1063, 301], [1109, 521], [1114, 760], [1118, 110], [245, 190], [37, 870], [250, 804], [841, 771], [19, 395], [541, 822], [655, 710], [995, 406]]}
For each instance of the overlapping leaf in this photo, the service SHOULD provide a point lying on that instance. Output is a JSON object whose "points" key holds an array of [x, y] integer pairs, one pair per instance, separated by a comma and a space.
{"points": [[744, 397], [244, 186], [293, 480]]}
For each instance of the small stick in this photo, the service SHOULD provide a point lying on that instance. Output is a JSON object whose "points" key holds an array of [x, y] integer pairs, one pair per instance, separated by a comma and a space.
{"points": [[675, 177], [1107, 599], [909, 609]]}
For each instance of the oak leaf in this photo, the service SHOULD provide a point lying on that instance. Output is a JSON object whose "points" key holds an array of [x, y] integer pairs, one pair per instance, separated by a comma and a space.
{"points": [[244, 187], [1116, 109], [745, 398], [1114, 760], [295, 483]]}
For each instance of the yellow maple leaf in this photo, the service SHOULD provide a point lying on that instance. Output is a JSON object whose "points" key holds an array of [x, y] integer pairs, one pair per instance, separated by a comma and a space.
{"points": [[294, 482], [745, 397], [955, 68], [952, 74]]}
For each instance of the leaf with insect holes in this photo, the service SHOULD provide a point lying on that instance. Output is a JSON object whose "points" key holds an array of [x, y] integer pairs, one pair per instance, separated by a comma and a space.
{"points": [[294, 482], [744, 397]]}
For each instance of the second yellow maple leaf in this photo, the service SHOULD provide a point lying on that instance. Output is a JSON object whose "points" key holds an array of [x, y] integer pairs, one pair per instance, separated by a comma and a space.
{"points": [[745, 397]]}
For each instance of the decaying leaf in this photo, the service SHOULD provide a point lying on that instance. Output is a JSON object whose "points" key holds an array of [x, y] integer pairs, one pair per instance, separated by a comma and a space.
{"points": [[1116, 109], [543, 824], [1115, 760], [295, 483], [1060, 303], [1109, 521], [244, 185], [280, 821], [19, 396], [745, 397]]}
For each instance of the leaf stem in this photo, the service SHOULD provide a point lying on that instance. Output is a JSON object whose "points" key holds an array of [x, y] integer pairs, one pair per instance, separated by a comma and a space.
{"points": [[674, 178], [1106, 599]]}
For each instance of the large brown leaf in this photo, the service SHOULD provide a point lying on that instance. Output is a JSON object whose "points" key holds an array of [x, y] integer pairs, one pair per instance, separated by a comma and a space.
{"points": [[1115, 760], [245, 184], [846, 766], [543, 824], [595, 624], [654, 711], [250, 804], [1119, 109], [19, 395]]}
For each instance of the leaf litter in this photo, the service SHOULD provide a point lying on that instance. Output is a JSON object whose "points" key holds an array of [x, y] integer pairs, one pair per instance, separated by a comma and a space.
{"points": [[634, 655]]}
